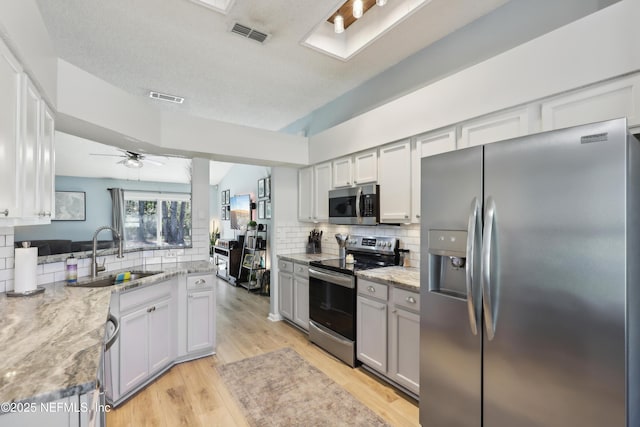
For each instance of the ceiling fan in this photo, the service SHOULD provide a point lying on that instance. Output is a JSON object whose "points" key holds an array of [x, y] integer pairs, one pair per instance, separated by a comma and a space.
{"points": [[131, 159]]}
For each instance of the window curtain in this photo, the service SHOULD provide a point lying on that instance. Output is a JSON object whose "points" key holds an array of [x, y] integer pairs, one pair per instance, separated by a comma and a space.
{"points": [[117, 210]]}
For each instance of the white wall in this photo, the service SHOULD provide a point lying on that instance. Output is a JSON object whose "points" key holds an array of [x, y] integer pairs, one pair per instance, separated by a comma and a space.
{"points": [[597, 47]]}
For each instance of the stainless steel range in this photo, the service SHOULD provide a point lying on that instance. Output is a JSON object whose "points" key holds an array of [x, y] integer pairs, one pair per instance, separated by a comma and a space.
{"points": [[332, 293]]}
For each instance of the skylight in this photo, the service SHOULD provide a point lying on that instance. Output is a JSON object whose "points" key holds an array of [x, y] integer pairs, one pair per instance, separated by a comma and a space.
{"points": [[361, 33]]}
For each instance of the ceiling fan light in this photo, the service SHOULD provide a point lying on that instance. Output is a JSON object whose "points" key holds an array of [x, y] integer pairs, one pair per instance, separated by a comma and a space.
{"points": [[358, 9], [381, 2], [338, 24], [133, 163]]}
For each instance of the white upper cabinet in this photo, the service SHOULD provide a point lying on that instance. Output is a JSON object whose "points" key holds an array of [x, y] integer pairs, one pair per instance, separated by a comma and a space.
{"points": [[46, 162], [365, 167], [361, 168], [611, 100], [37, 166], [10, 73], [498, 127], [30, 136], [27, 130], [342, 170], [314, 183], [305, 194], [394, 177], [321, 186], [426, 145]]}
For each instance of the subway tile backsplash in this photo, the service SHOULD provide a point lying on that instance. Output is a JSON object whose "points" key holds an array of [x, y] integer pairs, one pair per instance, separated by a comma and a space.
{"points": [[53, 272], [291, 237]]}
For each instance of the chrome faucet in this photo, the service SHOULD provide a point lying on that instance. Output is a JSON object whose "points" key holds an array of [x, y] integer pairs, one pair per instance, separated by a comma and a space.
{"points": [[95, 268]]}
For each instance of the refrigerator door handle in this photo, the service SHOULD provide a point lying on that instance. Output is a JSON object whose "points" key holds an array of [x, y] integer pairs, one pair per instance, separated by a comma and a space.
{"points": [[471, 255], [487, 246]]}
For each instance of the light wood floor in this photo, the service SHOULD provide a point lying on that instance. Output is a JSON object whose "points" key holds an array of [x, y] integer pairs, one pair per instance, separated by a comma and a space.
{"points": [[192, 393]]}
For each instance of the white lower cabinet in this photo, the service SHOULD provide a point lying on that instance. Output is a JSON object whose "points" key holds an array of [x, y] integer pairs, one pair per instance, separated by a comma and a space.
{"points": [[134, 348], [293, 282], [371, 325], [145, 344], [301, 295], [404, 348], [200, 320], [388, 332], [285, 288]]}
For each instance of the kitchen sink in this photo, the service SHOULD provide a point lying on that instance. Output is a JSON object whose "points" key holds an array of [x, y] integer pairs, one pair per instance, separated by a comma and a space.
{"points": [[110, 280]]}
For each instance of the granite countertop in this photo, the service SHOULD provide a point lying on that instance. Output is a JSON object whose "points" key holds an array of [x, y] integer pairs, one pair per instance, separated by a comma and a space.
{"points": [[52, 342], [401, 277], [306, 258]]}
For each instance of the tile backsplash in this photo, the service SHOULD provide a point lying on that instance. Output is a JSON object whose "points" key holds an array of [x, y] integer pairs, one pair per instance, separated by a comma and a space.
{"points": [[291, 237], [55, 271], [6, 258]]}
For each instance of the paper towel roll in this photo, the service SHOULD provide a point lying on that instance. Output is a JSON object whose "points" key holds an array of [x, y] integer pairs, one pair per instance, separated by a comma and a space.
{"points": [[26, 264]]}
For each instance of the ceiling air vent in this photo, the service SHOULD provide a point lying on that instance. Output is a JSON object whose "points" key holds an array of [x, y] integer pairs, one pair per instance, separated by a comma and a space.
{"points": [[250, 33], [166, 97]]}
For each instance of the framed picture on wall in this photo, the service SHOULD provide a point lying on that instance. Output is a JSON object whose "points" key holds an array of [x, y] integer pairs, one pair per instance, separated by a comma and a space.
{"points": [[70, 206], [223, 213], [227, 196], [261, 188], [267, 209], [267, 187], [261, 204]]}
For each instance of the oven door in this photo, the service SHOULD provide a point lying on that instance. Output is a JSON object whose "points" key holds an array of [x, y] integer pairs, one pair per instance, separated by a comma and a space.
{"points": [[332, 301]]}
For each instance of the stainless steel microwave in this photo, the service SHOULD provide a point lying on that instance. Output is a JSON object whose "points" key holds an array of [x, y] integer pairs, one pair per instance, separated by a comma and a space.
{"points": [[355, 205]]}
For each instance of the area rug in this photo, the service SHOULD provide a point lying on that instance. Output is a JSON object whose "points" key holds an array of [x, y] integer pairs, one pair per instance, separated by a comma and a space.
{"points": [[281, 389]]}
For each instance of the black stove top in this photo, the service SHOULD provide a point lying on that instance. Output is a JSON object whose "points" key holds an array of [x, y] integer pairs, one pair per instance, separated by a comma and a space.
{"points": [[340, 266]]}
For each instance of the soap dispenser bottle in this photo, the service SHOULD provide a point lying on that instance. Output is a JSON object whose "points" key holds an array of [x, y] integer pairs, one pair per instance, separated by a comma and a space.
{"points": [[72, 269]]}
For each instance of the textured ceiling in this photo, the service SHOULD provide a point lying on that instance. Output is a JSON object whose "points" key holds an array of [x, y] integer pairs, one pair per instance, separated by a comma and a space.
{"points": [[181, 48]]}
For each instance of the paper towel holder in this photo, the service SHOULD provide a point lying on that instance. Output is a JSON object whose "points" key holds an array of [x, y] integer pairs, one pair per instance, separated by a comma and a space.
{"points": [[31, 292]]}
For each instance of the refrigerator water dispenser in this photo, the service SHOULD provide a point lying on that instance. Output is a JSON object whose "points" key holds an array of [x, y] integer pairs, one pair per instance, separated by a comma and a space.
{"points": [[447, 260]]}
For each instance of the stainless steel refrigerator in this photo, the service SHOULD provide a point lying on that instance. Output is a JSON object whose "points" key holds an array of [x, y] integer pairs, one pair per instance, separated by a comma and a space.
{"points": [[530, 289]]}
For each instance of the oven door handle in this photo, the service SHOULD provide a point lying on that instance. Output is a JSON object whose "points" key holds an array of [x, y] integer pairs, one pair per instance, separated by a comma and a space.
{"points": [[336, 279]]}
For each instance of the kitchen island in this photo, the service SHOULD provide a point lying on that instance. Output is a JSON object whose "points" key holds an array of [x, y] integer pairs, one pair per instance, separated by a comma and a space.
{"points": [[52, 342]]}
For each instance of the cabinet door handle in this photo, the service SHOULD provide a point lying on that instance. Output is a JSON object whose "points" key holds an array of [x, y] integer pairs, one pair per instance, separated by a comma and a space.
{"points": [[200, 282], [406, 217], [371, 289], [5, 212], [411, 300], [149, 310], [417, 216], [355, 182]]}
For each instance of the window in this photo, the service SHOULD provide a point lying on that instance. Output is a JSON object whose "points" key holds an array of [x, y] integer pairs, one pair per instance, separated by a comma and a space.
{"points": [[157, 219]]}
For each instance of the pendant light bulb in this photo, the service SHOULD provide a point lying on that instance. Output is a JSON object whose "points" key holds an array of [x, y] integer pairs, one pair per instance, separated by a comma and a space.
{"points": [[381, 2], [358, 9], [338, 24]]}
